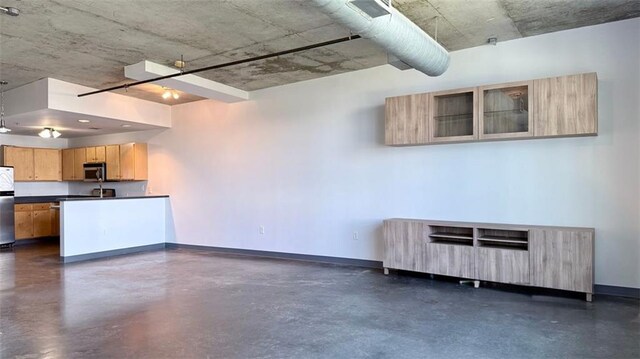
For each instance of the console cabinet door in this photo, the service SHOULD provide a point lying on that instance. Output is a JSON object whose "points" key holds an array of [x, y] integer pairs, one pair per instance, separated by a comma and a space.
{"points": [[562, 259], [407, 120], [566, 106], [450, 260], [503, 265], [404, 245]]}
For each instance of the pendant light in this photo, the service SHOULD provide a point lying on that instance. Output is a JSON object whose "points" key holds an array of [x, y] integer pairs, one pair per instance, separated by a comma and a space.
{"points": [[3, 128]]}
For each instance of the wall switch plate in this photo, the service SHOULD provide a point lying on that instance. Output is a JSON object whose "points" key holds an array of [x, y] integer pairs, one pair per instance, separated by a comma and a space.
{"points": [[261, 229], [355, 236]]}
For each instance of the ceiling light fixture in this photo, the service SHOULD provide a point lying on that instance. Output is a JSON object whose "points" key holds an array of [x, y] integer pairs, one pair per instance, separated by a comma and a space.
{"points": [[169, 93], [49, 132], [84, 121], [126, 125], [3, 128]]}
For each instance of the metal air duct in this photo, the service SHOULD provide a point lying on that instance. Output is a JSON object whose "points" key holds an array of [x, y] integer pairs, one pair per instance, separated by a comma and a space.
{"points": [[391, 30]]}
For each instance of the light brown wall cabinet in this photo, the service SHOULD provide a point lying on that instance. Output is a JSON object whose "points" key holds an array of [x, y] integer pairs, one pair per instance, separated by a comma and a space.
{"points": [[554, 107], [540, 256], [36, 220], [127, 162], [33, 164]]}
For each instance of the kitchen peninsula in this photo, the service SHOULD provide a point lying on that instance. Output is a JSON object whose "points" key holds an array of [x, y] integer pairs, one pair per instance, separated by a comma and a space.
{"points": [[98, 227]]}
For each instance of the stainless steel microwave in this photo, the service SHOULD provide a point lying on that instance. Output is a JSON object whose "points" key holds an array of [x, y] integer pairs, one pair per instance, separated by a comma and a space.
{"points": [[95, 172]]}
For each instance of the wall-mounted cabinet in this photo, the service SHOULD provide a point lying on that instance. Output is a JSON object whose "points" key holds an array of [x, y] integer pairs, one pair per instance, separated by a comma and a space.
{"points": [[95, 154], [453, 115], [33, 164], [541, 256], [407, 120], [555, 107], [503, 110]]}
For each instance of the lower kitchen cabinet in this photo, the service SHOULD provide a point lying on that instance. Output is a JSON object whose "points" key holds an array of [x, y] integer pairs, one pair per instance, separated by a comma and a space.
{"points": [[36, 220], [539, 256]]}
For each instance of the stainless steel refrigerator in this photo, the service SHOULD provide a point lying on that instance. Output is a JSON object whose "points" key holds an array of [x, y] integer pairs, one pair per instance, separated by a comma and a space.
{"points": [[7, 232]]}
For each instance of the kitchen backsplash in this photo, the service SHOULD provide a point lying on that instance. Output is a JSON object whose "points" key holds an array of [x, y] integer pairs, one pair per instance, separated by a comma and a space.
{"points": [[123, 189]]}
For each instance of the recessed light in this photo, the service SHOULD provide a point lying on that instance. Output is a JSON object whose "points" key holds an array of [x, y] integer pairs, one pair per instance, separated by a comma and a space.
{"points": [[126, 125], [84, 121]]}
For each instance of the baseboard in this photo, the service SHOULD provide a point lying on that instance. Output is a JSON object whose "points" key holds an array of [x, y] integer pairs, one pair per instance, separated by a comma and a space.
{"points": [[112, 253], [282, 255], [617, 291]]}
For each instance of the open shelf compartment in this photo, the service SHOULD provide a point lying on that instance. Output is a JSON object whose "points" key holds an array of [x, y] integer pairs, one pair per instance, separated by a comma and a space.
{"points": [[503, 238], [462, 236]]}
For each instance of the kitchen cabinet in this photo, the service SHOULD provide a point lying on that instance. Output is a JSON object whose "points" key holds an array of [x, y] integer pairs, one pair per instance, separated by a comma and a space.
{"points": [[36, 220], [96, 154], [47, 164], [133, 162], [33, 164], [566, 105], [21, 158], [407, 120], [23, 217], [112, 158], [73, 160]]}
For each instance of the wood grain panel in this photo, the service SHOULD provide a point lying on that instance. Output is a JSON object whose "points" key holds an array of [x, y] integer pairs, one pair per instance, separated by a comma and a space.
{"points": [[565, 106], [91, 154], [47, 164], [21, 158], [407, 120], [79, 159], [42, 222], [23, 223], [100, 153], [502, 265], [562, 259], [127, 161], [404, 245], [112, 158], [68, 164], [141, 170], [451, 260]]}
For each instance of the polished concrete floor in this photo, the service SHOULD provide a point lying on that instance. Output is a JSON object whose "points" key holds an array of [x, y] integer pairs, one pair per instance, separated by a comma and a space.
{"points": [[190, 304]]}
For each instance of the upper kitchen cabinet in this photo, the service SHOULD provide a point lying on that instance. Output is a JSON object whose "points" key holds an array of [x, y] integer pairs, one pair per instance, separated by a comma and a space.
{"points": [[33, 164], [47, 164], [96, 154], [566, 106], [133, 162], [112, 158], [407, 120], [504, 110], [73, 160], [453, 115], [21, 159]]}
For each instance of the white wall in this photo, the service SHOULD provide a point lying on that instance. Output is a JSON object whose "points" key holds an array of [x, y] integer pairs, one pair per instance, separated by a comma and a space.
{"points": [[307, 160], [37, 188]]}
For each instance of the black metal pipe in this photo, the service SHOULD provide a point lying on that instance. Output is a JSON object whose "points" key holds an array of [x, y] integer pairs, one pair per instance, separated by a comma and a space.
{"points": [[226, 64]]}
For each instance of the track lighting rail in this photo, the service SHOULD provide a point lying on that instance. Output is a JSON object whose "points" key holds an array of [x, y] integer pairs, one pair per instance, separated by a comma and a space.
{"points": [[226, 64]]}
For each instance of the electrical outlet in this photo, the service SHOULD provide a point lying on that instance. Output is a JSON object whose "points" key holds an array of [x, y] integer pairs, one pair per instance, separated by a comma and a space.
{"points": [[261, 229], [355, 236], [150, 190]]}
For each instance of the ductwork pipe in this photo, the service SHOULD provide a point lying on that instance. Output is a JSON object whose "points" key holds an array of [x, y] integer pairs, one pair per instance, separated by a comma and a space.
{"points": [[392, 31]]}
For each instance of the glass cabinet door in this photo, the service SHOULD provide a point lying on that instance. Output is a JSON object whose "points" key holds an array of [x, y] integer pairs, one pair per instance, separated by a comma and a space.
{"points": [[504, 110], [453, 116]]}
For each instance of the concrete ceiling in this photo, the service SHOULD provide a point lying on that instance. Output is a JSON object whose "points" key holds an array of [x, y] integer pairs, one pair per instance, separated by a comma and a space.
{"points": [[89, 42]]}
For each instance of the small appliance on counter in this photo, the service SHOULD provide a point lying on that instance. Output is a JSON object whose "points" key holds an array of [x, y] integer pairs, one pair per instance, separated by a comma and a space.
{"points": [[7, 232], [106, 192]]}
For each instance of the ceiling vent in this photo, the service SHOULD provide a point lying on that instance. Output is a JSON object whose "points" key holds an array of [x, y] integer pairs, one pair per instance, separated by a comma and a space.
{"points": [[374, 20]]}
